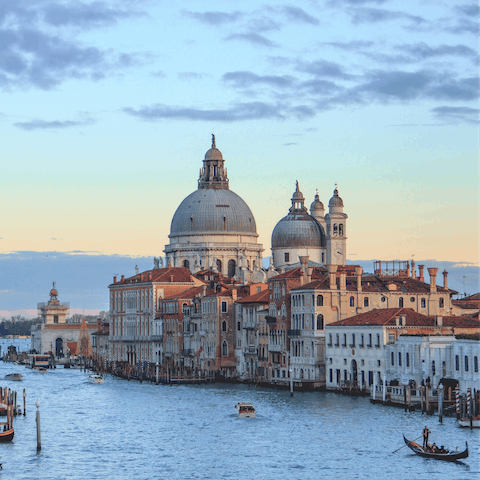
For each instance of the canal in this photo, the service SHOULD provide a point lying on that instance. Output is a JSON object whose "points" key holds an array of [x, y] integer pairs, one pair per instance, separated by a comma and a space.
{"points": [[126, 430]]}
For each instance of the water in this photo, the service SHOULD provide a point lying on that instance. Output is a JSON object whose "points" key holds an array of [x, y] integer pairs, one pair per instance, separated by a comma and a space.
{"points": [[124, 430]]}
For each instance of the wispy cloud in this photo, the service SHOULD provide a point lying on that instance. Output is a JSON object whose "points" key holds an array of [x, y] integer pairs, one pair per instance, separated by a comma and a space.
{"points": [[53, 125], [253, 38], [457, 115], [244, 79], [215, 17], [297, 14], [188, 76], [377, 15]]}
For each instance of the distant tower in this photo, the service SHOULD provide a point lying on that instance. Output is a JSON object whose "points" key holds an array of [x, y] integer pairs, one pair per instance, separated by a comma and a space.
{"points": [[53, 311], [336, 222], [317, 211]]}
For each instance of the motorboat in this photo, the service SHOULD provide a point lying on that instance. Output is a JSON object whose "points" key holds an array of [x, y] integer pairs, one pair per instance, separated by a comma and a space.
{"points": [[470, 422], [40, 369], [93, 378], [16, 377], [246, 410]]}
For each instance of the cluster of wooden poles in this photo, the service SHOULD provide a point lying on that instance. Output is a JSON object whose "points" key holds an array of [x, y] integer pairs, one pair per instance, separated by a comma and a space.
{"points": [[8, 399]]}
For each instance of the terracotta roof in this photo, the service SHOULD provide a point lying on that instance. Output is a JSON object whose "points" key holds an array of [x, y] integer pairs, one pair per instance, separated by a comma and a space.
{"points": [[386, 316], [159, 275], [260, 297], [475, 297], [191, 292], [465, 306], [375, 284], [317, 272]]}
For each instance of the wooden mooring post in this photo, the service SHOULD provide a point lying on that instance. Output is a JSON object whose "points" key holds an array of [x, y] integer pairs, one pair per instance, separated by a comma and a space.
{"points": [[39, 436], [24, 402], [440, 403]]}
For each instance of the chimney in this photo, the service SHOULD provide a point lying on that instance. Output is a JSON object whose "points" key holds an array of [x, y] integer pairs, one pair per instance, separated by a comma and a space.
{"points": [[445, 279], [171, 278], [408, 269], [234, 294], [309, 274], [413, 269], [115, 279], [422, 278], [150, 276], [123, 278], [204, 290], [304, 262], [433, 279], [332, 274], [438, 321], [397, 321], [302, 278], [358, 273], [343, 281], [403, 319]]}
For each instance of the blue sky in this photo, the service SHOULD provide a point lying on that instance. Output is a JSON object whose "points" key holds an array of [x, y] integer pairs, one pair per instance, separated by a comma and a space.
{"points": [[107, 108]]}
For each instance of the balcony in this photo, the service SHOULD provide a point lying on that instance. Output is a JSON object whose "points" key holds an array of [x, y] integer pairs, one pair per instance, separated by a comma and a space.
{"points": [[188, 351], [251, 350], [271, 319], [294, 333], [156, 338], [250, 325], [275, 348]]}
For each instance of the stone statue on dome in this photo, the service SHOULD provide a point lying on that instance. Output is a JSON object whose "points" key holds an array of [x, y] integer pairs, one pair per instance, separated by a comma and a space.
{"points": [[156, 263]]}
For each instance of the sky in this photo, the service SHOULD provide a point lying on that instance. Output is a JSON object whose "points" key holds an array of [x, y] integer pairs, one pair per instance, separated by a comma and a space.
{"points": [[107, 109]]}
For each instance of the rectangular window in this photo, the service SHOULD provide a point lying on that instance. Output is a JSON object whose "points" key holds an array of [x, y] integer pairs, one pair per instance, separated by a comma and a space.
{"points": [[287, 257], [55, 319], [331, 375], [224, 307]]}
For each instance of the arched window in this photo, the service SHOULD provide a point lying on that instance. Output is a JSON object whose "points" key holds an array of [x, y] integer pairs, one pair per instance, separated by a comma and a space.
{"points": [[335, 229], [224, 349], [399, 359], [475, 364], [186, 264], [352, 301], [320, 322], [219, 265], [423, 303], [320, 301], [400, 302], [231, 268], [466, 363], [441, 302], [340, 229], [224, 326], [393, 358], [457, 363], [365, 301]]}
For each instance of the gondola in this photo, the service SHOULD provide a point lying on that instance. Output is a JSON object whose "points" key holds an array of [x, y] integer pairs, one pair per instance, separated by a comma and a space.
{"points": [[449, 457], [7, 436]]}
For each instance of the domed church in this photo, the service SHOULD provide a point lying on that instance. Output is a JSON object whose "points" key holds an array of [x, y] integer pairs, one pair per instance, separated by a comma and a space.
{"points": [[213, 227], [316, 235]]}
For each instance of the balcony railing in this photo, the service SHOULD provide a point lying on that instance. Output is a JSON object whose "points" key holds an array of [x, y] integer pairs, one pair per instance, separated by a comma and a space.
{"points": [[275, 348], [250, 325], [294, 333], [156, 338]]}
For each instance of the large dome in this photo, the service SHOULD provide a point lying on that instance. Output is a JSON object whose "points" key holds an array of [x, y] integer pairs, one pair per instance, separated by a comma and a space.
{"points": [[210, 210], [298, 230]]}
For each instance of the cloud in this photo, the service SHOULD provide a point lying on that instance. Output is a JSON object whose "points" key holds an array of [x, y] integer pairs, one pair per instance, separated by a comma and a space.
{"points": [[245, 79], [85, 15], [289, 144], [422, 51], [159, 74], [299, 15], [323, 68], [376, 15], [253, 38], [214, 18], [189, 76], [237, 112], [353, 46], [52, 125], [34, 53], [457, 115]]}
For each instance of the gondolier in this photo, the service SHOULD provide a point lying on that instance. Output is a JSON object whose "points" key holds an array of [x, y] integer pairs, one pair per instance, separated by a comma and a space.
{"points": [[426, 431]]}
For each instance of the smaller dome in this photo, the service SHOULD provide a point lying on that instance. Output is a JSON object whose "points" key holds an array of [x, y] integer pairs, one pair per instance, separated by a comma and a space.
{"points": [[335, 201], [316, 204], [213, 154], [297, 195]]}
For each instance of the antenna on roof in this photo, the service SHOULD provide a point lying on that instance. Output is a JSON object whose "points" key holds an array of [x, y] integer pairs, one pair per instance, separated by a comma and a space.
{"points": [[464, 292]]}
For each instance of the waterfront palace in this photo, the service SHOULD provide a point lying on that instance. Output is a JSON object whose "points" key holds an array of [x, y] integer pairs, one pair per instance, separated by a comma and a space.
{"points": [[213, 309]]}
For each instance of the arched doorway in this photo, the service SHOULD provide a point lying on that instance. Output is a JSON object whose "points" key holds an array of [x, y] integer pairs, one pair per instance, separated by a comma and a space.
{"points": [[354, 371], [59, 347]]}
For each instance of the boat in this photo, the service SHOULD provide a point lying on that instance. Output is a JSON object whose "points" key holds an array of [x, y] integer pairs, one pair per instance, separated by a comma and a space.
{"points": [[95, 379], [14, 377], [6, 436], [471, 422], [246, 410], [448, 456], [40, 369]]}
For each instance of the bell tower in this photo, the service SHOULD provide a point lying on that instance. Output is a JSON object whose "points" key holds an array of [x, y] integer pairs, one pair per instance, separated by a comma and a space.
{"points": [[336, 222]]}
